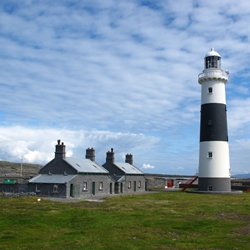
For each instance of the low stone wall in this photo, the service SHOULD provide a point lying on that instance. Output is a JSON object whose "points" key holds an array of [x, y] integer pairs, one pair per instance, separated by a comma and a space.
{"points": [[14, 188], [16, 195]]}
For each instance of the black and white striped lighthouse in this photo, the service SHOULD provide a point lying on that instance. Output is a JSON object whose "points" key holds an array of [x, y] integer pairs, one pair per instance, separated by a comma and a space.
{"points": [[214, 164]]}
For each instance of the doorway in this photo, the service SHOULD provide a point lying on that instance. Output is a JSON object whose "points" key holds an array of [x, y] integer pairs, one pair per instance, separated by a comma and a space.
{"points": [[116, 188], [71, 190], [110, 188], [93, 188]]}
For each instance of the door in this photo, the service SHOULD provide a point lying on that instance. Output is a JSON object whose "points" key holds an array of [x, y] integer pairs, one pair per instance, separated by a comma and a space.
{"points": [[134, 186], [71, 191], [121, 187], [93, 188], [110, 188], [116, 188]]}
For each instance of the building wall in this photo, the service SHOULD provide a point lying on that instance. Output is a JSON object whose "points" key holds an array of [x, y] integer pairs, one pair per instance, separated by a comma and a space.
{"points": [[89, 185], [49, 189], [132, 183], [81, 186]]}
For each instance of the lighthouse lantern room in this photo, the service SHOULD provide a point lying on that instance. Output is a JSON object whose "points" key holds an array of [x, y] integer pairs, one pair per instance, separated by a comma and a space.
{"points": [[214, 164]]}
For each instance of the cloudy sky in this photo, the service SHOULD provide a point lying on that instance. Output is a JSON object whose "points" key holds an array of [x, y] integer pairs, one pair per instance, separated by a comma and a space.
{"points": [[120, 74]]}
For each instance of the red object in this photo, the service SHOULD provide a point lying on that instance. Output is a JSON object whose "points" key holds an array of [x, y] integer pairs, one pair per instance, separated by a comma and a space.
{"points": [[170, 184]]}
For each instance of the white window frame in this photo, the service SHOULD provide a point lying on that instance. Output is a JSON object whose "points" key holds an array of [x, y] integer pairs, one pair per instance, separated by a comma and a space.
{"points": [[101, 186], [37, 188], [129, 184], [85, 186], [55, 188]]}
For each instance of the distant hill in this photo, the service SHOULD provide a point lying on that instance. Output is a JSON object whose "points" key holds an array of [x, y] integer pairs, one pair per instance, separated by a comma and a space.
{"points": [[14, 169], [243, 176]]}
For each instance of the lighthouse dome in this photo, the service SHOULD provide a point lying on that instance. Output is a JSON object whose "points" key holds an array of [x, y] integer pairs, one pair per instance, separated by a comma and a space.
{"points": [[212, 53]]}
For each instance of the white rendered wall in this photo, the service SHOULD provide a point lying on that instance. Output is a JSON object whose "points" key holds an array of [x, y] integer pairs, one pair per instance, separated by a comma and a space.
{"points": [[218, 94], [218, 166]]}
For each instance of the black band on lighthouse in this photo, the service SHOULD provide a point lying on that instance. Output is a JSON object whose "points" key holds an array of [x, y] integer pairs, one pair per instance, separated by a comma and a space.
{"points": [[213, 123]]}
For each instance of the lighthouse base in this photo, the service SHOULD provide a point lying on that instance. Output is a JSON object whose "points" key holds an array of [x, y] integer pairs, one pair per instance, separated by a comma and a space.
{"points": [[214, 184]]}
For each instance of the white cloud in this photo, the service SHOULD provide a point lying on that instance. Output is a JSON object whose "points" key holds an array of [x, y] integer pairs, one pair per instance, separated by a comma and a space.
{"points": [[38, 145], [147, 166]]}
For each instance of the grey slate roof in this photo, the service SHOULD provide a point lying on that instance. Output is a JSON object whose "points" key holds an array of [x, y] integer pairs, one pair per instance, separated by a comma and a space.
{"points": [[128, 168], [85, 165], [54, 178]]}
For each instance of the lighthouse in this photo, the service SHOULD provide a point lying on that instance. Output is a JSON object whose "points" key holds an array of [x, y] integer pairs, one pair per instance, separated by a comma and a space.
{"points": [[214, 164]]}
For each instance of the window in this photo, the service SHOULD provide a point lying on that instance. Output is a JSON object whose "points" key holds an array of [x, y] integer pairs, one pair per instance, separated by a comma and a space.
{"points": [[55, 189], [210, 188], [210, 155], [85, 187], [139, 184], [101, 186], [129, 184], [210, 123], [210, 90], [37, 188]]}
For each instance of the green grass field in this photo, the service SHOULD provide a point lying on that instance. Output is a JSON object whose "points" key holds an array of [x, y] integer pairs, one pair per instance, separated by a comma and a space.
{"points": [[167, 220]]}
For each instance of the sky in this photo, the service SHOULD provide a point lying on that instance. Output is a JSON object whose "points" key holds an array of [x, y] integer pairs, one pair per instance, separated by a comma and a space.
{"points": [[120, 74]]}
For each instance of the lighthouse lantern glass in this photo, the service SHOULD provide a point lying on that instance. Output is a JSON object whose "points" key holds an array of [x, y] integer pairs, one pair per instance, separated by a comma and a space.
{"points": [[212, 62]]}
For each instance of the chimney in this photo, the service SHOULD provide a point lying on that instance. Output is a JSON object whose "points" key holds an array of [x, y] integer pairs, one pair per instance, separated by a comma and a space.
{"points": [[110, 156], [90, 154], [60, 150], [129, 159]]}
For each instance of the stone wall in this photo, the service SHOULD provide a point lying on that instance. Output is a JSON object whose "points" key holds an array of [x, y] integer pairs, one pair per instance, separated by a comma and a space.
{"points": [[16, 195], [14, 188]]}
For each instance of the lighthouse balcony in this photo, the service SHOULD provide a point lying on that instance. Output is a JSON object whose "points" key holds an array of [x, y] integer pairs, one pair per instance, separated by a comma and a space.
{"points": [[213, 75]]}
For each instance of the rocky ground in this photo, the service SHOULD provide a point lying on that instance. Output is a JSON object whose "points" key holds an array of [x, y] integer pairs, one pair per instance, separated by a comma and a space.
{"points": [[14, 169]]}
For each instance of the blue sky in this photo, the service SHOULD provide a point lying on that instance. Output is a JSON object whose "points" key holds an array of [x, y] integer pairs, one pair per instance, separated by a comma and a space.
{"points": [[120, 74]]}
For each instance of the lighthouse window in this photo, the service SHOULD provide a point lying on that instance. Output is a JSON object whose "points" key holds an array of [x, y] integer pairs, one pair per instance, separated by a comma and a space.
{"points": [[210, 155], [212, 62], [210, 90]]}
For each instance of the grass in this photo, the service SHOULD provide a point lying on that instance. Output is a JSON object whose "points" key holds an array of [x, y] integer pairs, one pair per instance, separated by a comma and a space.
{"points": [[165, 220]]}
